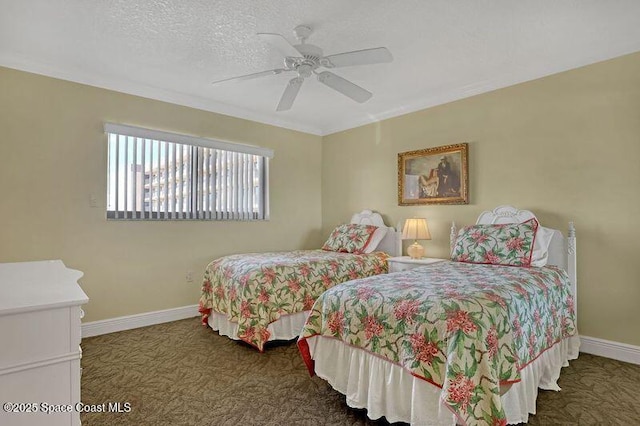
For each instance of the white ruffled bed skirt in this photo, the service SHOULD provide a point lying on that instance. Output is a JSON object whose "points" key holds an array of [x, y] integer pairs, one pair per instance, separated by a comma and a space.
{"points": [[287, 327], [386, 389]]}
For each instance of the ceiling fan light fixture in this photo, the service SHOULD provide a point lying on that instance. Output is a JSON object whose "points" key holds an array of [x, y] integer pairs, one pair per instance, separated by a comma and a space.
{"points": [[305, 70]]}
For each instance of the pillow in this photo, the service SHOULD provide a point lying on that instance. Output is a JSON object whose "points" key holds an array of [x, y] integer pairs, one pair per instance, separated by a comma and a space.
{"points": [[509, 244], [376, 238], [541, 247], [350, 238]]}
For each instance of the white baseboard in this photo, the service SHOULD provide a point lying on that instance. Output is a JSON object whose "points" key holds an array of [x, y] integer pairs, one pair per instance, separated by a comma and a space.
{"points": [[589, 345], [609, 349], [129, 322]]}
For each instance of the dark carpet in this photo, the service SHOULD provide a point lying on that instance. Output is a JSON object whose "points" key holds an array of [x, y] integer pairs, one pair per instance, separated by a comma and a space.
{"points": [[181, 373]]}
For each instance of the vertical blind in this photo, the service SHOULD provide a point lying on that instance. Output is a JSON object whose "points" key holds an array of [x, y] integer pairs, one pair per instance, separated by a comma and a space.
{"points": [[154, 175]]}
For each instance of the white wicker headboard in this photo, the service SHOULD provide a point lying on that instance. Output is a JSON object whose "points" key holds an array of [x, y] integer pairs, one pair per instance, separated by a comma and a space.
{"points": [[392, 241], [562, 251]]}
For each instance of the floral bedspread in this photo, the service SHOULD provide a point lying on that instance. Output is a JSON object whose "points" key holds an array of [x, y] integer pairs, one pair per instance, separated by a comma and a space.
{"points": [[256, 289], [463, 327]]}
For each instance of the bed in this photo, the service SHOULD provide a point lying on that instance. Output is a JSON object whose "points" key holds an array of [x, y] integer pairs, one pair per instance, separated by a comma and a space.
{"points": [[260, 297], [454, 342]]}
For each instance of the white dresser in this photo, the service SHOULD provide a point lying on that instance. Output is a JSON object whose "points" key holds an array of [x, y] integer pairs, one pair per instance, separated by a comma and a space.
{"points": [[39, 343]]}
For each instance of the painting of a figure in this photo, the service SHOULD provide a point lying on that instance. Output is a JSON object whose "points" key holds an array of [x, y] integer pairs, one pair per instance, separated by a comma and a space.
{"points": [[433, 176]]}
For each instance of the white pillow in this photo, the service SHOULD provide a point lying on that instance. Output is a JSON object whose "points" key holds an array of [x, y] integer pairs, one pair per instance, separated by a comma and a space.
{"points": [[377, 236], [541, 246]]}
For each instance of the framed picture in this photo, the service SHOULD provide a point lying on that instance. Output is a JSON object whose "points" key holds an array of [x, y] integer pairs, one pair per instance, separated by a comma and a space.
{"points": [[434, 176]]}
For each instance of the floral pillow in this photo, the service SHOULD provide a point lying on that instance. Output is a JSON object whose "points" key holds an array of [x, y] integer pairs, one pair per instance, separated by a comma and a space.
{"points": [[350, 238], [508, 244]]}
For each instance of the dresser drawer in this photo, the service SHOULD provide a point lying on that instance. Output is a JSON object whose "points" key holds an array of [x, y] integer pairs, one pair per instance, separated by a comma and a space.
{"points": [[49, 384], [35, 336]]}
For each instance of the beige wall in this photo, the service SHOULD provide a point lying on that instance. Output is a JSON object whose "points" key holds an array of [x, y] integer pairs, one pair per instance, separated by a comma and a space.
{"points": [[566, 147], [53, 157]]}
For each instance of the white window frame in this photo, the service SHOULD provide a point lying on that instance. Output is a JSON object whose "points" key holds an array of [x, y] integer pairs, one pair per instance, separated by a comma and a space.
{"points": [[189, 184]]}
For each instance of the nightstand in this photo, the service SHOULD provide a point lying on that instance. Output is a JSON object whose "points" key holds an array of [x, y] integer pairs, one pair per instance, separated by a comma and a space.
{"points": [[404, 263]]}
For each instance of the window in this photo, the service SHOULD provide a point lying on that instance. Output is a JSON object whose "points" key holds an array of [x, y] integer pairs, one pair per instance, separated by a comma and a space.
{"points": [[155, 175]]}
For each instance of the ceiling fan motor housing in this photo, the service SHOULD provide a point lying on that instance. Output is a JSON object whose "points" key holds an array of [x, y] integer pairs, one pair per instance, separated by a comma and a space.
{"points": [[309, 51], [310, 60]]}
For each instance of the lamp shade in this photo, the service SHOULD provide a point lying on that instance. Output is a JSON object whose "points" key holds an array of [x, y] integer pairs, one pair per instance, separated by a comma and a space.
{"points": [[416, 229]]}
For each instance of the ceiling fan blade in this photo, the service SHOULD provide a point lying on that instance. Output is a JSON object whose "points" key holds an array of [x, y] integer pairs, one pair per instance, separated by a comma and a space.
{"points": [[251, 76], [281, 44], [345, 87], [290, 93], [360, 57]]}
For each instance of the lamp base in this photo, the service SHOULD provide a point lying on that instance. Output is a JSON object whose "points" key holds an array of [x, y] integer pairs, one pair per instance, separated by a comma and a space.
{"points": [[415, 250]]}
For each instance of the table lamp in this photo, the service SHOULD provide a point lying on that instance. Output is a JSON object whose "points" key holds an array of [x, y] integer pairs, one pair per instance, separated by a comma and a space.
{"points": [[415, 229]]}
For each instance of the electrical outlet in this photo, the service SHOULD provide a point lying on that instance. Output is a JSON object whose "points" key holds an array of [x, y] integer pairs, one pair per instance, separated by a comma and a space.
{"points": [[189, 276], [93, 201]]}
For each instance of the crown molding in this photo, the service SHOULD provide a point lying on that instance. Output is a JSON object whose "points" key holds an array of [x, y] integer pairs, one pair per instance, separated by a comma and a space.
{"points": [[138, 89]]}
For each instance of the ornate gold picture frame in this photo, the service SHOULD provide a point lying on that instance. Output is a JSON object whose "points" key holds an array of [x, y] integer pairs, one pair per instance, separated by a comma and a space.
{"points": [[434, 176]]}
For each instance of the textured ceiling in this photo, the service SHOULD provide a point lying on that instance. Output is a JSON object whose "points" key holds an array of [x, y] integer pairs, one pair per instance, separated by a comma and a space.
{"points": [[443, 50]]}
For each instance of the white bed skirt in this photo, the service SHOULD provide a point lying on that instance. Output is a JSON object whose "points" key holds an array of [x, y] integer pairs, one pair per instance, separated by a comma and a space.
{"points": [[386, 389], [287, 327]]}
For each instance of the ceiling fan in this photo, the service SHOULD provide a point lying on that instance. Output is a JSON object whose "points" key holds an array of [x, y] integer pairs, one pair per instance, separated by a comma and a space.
{"points": [[305, 59]]}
